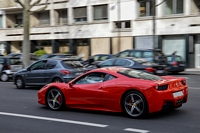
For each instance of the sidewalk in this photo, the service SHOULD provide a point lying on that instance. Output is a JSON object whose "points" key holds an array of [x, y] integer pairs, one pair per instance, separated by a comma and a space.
{"points": [[192, 69]]}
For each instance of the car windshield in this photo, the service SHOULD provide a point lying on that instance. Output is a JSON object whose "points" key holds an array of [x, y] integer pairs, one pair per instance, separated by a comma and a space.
{"points": [[138, 74], [72, 64]]}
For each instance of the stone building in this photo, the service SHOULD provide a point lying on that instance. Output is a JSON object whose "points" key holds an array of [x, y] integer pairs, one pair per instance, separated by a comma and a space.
{"points": [[90, 27]]}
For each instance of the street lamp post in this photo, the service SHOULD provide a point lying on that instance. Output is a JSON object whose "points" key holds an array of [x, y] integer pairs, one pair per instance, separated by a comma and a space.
{"points": [[119, 26]]}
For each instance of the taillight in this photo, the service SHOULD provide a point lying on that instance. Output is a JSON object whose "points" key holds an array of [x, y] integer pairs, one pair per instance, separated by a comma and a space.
{"points": [[183, 82], [8, 67], [149, 69], [175, 64], [65, 71]]}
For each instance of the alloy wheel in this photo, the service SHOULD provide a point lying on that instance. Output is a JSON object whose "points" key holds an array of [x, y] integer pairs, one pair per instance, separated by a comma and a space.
{"points": [[55, 99], [135, 105]]}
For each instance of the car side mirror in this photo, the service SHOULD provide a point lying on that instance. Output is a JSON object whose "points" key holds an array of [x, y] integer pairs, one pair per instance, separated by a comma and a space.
{"points": [[71, 84], [28, 69]]}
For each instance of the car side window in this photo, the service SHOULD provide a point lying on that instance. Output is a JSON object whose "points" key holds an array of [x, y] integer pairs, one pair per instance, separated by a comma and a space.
{"points": [[38, 66], [96, 58], [124, 54], [91, 78], [147, 54], [136, 54], [109, 77], [122, 62], [51, 64]]}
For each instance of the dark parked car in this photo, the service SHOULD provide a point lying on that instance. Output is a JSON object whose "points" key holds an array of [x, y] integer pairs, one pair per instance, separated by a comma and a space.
{"points": [[55, 56], [151, 55], [96, 59], [8, 67], [175, 64], [134, 63], [33, 57], [46, 71]]}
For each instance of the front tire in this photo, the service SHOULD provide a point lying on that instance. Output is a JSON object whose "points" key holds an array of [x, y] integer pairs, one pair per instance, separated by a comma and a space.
{"points": [[19, 82], [4, 77], [134, 104], [55, 99]]}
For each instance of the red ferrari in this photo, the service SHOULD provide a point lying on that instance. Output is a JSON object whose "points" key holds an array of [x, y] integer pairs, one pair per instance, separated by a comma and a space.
{"points": [[117, 89]]}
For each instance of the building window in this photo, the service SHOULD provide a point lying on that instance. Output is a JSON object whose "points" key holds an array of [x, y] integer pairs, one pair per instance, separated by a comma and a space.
{"points": [[62, 16], [173, 7], [19, 20], [146, 9], [80, 14], [122, 24], [44, 18], [101, 12], [1, 22]]}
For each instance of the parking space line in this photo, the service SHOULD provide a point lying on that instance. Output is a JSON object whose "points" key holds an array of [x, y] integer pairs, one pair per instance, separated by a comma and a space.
{"points": [[54, 119], [136, 130]]}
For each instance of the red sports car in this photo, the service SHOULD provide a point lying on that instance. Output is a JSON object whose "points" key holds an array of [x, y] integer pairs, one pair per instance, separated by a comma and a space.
{"points": [[117, 89]]}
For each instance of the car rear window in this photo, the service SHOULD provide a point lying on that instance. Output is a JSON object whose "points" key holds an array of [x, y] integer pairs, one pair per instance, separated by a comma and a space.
{"points": [[72, 64], [15, 61], [179, 58], [138, 74]]}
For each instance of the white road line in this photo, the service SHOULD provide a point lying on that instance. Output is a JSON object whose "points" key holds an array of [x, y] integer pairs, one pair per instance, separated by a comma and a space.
{"points": [[136, 130], [195, 88], [54, 119]]}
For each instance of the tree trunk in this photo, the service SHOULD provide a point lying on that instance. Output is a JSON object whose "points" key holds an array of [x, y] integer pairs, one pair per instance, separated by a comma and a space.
{"points": [[26, 41]]}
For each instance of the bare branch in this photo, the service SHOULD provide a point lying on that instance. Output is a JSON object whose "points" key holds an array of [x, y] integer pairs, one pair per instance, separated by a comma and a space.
{"points": [[35, 3], [19, 2]]}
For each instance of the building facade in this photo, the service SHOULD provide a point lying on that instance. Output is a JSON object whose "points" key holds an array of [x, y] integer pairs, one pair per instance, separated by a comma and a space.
{"points": [[88, 27]]}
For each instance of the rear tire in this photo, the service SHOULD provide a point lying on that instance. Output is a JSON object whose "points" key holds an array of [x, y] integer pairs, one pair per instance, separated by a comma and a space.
{"points": [[134, 104], [57, 80], [19, 82], [55, 99], [4, 77]]}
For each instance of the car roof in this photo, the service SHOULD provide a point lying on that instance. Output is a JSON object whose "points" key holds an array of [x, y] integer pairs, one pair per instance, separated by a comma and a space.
{"points": [[108, 69], [159, 50]]}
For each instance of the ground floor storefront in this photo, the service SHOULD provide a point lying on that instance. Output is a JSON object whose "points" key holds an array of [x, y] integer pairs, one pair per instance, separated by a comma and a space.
{"points": [[187, 46]]}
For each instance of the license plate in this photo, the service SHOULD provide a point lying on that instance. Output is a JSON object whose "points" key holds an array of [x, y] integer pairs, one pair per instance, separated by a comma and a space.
{"points": [[181, 64], [159, 71], [178, 94]]}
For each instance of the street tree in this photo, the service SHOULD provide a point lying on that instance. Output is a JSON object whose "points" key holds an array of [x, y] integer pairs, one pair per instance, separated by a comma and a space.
{"points": [[27, 6]]}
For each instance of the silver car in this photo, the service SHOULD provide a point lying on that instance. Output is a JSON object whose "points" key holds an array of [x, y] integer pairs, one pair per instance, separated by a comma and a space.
{"points": [[46, 71], [8, 67]]}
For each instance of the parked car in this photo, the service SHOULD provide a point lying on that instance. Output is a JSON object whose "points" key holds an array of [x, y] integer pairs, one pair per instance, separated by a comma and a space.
{"points": [[33, 57], [96, 59], [151, 55], [8, 67], [175, 63], [134, 63], [117, 89], [46, 71], [47, 56]]}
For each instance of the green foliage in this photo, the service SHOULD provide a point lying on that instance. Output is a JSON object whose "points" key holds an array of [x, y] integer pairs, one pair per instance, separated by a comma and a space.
{"points": [[39, 53]]}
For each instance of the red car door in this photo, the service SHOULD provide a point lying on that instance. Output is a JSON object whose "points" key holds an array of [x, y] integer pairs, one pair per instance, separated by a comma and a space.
{"points": [[84, 95]]}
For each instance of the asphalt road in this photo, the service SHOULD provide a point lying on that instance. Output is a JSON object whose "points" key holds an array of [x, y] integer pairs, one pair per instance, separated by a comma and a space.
{"points": [[20, 113]]}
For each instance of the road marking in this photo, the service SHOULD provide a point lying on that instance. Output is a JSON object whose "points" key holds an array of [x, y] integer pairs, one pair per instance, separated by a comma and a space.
{"points": [[195, 88], [136, 130], [54, 119]]}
